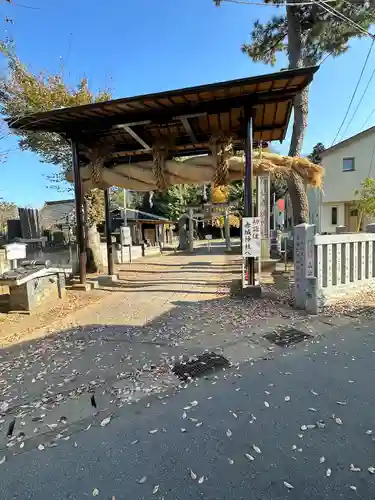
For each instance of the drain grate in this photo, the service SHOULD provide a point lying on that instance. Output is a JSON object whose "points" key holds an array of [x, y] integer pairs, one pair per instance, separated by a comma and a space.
{"points": [[287, 337], [200, 366]]}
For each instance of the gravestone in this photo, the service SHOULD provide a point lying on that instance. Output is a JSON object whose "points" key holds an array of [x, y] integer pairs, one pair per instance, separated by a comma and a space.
{"points": [[29, 219], [14, 229]]}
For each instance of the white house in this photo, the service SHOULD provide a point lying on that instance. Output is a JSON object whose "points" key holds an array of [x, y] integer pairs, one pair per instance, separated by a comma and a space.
{"points": [[346, 165]]}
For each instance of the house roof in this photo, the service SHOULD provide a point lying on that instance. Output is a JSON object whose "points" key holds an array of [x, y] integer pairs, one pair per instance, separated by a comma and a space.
{"points": [[132, 214], [348, 141], [54, 213], [185, 119]]}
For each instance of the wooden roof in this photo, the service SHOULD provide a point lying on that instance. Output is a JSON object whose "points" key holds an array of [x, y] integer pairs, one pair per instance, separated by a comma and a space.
{"points": [[185, 118], [54, 213]]}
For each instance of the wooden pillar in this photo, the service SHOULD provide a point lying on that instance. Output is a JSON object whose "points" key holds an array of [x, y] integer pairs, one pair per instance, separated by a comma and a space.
{"points": [[191, 231], [78, 193], [162, 235], [249, 170], [108, 230]]}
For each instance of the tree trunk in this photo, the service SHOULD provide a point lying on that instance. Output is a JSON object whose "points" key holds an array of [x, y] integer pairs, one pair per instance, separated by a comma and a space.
{"points": [[296, 188], [92, 236], [94, 255]]}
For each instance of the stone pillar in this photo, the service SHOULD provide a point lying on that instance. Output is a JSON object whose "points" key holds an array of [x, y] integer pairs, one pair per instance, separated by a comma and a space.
{"points": [[370, 228], [341, 229], [227, 231], [191, 231], [304, 266]]}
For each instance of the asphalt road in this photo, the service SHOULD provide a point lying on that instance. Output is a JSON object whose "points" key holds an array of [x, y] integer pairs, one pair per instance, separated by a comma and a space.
{"points": [[255, 410]]}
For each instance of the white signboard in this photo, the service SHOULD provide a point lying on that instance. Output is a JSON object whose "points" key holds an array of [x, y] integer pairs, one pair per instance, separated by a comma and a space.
{"points": [[15, 251], [126, 237], [251, 239]]}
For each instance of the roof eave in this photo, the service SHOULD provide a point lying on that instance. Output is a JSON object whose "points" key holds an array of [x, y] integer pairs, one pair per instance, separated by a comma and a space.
{"points": [[347, 141], [23, 122]]}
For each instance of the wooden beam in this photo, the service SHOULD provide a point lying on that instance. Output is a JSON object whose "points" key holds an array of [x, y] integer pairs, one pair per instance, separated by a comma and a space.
{"points": [[188, 129], [180, 145], [133, 124], [135, 136], [88, 126]]}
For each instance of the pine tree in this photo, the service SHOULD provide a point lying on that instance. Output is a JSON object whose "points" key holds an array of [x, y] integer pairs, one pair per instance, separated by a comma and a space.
{"points": [[306, 34], [315, 155]]}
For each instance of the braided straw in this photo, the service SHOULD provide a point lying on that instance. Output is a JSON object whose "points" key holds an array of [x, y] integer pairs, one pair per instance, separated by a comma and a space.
{"points": [[160, 152], [97, 157], [222, 150]]}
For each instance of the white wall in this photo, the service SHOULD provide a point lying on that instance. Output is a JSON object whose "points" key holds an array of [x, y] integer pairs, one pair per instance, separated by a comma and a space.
{"points": [[314, 196], [326, 217], [339, 185]]}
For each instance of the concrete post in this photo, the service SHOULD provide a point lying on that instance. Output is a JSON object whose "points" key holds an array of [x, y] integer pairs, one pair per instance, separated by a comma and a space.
{"points": [[341, 229], [227, 231], [191, 231], [370, 228], [304, 264]]}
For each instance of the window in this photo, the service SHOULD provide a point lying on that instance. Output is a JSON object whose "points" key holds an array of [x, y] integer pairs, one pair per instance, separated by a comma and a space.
{"points": [[334, 216], [348, 164], [354, 213]]}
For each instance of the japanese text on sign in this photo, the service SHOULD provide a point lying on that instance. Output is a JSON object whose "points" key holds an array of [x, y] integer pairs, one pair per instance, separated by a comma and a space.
{"points": [[251, 239]]}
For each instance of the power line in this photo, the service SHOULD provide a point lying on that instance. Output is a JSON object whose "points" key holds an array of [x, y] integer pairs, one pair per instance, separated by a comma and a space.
{"points": [[342, 17], [367, 119], [324, 4], [355, 91], [359, 103], [269, 4]]}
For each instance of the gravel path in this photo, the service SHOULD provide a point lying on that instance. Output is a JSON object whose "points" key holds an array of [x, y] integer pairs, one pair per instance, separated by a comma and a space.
{"points": [[121, 348]]}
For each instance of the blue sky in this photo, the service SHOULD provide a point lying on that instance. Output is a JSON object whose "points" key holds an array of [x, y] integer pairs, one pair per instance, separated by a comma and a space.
{"points": [[142, 46]]}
